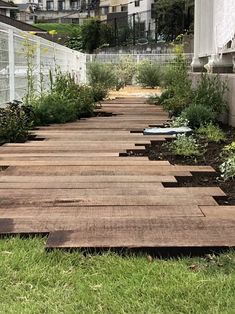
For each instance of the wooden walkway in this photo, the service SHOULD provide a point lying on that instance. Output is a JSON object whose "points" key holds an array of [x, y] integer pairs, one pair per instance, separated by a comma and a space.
{"points": [[75, 187]]}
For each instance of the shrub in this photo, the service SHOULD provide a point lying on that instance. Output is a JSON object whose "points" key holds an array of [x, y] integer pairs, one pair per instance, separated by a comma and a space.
{"points": [[148, 74], [210, 92], [102, 74], [66, 101], [99, 92], [15, 122], [198, 115], [84, 102], [185, 146], [54, 108], [167, 94], [179, 92], [126, 69], [176, 104], [212, 133]]}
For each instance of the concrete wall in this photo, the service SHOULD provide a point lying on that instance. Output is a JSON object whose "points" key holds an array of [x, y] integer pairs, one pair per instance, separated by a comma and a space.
{"points": [[230, 94]]}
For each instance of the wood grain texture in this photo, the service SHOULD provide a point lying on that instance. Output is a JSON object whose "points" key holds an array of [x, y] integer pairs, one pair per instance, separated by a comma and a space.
{"points": [[74, 186]]}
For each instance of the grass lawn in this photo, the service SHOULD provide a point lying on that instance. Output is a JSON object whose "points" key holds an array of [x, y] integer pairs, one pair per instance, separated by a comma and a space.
{"points": [[61, 28], [33, 281]]}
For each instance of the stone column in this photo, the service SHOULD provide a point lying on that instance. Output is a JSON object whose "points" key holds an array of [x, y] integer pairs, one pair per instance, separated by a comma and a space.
{"points": [[196, 65]]}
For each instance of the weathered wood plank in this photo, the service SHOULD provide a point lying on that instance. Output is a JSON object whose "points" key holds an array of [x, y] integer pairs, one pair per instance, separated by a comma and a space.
{"points": [[161, 232]]}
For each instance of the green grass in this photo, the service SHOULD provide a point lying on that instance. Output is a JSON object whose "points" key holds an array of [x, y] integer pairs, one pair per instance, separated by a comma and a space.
{"points": [[65, 29], [33, 281]]}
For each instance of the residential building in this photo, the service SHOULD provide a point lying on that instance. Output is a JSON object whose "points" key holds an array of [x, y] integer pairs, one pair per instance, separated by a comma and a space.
{"points": [[66, 11], [7, 9], [26, 13], [142, 12]]}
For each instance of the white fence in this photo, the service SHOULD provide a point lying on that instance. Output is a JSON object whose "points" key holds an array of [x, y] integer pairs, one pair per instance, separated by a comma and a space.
{"points": [[14, 59], [161, 59]]}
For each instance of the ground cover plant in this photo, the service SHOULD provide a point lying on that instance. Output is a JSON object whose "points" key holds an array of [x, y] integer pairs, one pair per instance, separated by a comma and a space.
{"points": [[185, 146], [35, 281]]}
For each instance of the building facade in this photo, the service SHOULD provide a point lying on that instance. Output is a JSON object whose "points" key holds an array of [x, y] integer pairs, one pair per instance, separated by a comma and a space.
{"points": [[214, 44]]}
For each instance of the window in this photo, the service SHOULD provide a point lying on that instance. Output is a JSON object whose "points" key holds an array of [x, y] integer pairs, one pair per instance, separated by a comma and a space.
{"points": [[74, 4], [137, 3], [124, 8], [50, 5], [104, 10], [114, 9], [61, 5]]}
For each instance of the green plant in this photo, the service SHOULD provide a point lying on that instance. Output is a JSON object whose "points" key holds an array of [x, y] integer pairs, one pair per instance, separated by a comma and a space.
{"points": [[148, 74], [210, 92], [212, 133], [176, 104], [126, 69], [179, 122], [102, 74], [228, 151], [185, 146], [227, 168], [198, 115], [15, 122], [65, 102], [54, 108], [99, 92], [179, 92]]}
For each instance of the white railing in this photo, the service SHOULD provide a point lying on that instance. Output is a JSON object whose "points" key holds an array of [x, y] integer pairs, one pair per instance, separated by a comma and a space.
{"points": [[14, 59]]}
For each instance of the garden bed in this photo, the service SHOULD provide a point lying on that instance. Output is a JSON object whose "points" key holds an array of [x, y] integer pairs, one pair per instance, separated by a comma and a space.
{"points": [[210, 157]]}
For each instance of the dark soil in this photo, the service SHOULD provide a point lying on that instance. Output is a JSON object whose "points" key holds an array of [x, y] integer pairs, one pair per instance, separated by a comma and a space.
{"points": [[210, 157]]}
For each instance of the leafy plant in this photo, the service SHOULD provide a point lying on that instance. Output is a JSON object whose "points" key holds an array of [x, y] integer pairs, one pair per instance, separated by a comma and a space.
{"points": [[126, 69], [198, 115], [185, 146], [148, 74], [54, 108], [15, 122], [176, 104], [66, 101], [228, 151], [227, 168], [210, 92], [212, 133], [179, 92], [99, 92], [179, 122], [102, 74]]}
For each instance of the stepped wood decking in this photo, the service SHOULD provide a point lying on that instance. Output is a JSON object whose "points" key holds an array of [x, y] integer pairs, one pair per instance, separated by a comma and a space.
{"points": [[75, 187]]}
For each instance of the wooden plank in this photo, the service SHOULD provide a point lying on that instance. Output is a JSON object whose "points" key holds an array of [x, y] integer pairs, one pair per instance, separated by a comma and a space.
{"points": [[105, 200], [86, 212], [72, 162], [84, 179], [224, 212], [160, 232], [156, 190]]}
